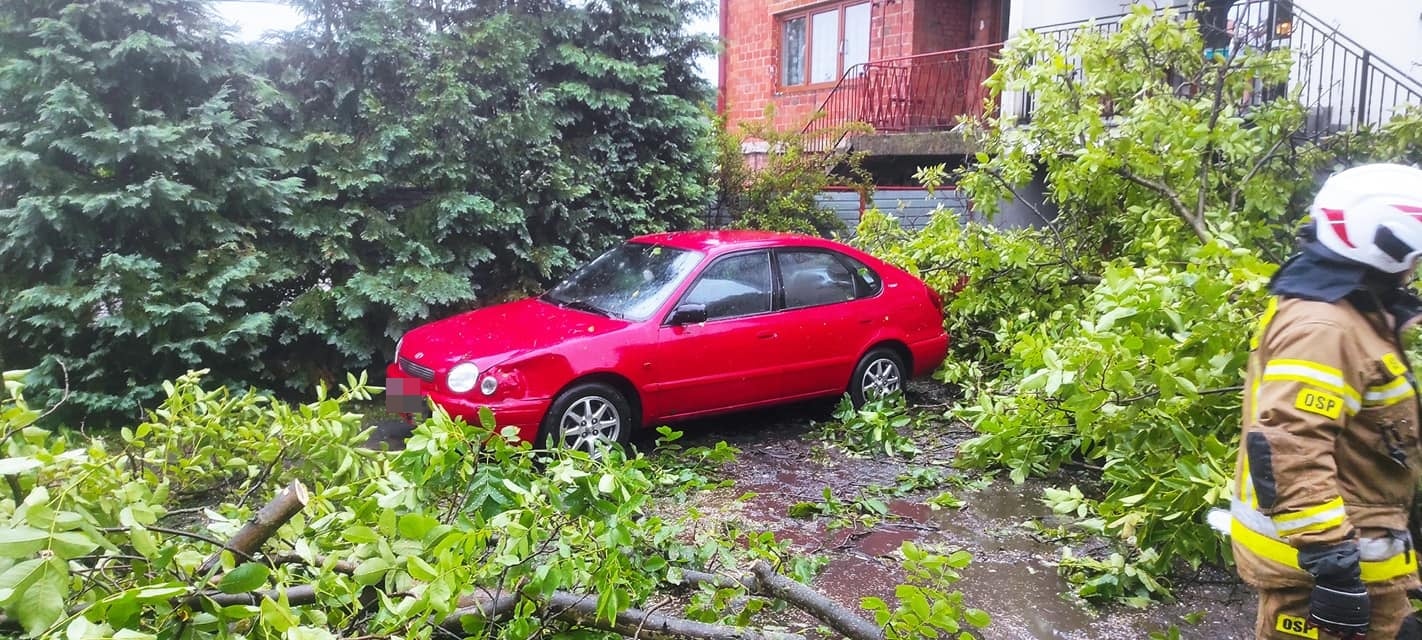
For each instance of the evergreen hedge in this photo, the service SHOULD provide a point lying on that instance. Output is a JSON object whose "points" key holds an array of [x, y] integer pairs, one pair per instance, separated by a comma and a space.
{"points": [[280, 213]]}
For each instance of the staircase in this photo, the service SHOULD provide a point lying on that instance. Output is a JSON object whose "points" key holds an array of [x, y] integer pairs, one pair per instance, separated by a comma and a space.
{"points": [[1344, 86]]}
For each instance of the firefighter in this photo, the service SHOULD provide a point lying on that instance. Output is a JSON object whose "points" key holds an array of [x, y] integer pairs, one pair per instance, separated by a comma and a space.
{"points": [[1329, 457]]}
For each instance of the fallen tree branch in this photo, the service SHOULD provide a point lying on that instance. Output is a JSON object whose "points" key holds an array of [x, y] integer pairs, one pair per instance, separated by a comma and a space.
{"points": [[296, 596], [698, 578], [1156, 392], [764, 581], [1196, 224], [186, 534], [263, 525], [581, 610], [345, 567], [814, 603]]}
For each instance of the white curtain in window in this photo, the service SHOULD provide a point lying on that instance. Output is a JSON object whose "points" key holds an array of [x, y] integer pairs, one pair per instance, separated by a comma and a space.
{"points": [[824, 46], [856, 35], [792, 53]]}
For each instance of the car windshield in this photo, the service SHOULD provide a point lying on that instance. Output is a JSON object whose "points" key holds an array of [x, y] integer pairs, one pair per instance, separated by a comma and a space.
{"points": [[631, 281]]}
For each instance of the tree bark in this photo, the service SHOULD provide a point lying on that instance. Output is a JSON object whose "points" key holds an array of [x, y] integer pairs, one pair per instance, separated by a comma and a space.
{"points": [[264, 524], [344, 567], [632, 623], [814, 603], [1196, 224], [299, 595]]}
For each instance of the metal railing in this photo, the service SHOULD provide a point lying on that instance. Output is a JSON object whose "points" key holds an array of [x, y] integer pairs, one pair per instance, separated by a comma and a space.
{"points": [[924, 92], [1344, 86]]}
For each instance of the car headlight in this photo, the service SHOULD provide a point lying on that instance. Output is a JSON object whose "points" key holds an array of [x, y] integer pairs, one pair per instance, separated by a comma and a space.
{"points": [[462, 377], [488, 385]]}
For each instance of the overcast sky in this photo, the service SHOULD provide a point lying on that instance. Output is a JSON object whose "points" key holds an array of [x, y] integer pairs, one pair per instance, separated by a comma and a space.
{"points": [[252, 18]]}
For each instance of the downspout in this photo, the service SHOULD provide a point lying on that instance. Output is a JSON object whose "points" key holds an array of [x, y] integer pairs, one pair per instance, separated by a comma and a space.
{"points": [[722, 41]]}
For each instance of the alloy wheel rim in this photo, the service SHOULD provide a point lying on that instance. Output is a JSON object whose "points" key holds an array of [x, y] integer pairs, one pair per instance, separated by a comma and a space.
{"points": [[881, 378], [588, 421]]}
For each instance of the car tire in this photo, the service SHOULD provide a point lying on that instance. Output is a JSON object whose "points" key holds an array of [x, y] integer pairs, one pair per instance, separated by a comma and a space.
{"points": [[880, 372], [586, 414]]}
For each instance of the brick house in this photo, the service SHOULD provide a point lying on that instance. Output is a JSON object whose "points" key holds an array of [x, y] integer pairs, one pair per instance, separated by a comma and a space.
{"points": [[792, 53], [901, 65], [911, 68]]}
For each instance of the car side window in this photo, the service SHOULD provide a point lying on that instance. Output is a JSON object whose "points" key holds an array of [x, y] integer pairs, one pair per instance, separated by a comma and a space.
{"points": [[867, 280], [738, 285], [813, 278]]}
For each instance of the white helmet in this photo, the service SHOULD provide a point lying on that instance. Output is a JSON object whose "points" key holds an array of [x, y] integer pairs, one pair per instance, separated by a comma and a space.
{"points": [[1372, 214]]}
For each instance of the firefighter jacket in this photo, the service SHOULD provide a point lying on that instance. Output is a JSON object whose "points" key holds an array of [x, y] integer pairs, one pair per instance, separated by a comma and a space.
{"points": [[1330, 445]]}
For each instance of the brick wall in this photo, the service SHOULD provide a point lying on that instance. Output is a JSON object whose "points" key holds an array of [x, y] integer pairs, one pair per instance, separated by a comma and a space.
{"points": [[751, 58], [942, 25]]}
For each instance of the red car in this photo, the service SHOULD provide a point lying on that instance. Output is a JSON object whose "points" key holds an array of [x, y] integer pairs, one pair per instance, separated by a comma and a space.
{"points": [[673, 326]]}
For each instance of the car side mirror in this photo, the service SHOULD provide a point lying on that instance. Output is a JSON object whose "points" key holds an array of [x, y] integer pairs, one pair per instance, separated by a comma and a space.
{"points": [[690, 313]]}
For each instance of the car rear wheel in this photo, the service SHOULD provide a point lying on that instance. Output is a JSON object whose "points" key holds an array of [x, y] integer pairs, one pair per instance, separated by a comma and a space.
{"points": [[588, 416], [879, 373]]}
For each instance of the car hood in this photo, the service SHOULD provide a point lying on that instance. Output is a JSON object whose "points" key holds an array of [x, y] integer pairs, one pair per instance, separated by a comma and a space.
{"points": [[492, 335]]}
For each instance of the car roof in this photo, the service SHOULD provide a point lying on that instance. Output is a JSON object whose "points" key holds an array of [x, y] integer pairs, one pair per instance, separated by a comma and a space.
{"points": [[728, 240]]}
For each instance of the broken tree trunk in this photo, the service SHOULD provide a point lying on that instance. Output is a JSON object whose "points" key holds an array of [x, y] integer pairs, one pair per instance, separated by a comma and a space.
{"points": [[263, 525]]}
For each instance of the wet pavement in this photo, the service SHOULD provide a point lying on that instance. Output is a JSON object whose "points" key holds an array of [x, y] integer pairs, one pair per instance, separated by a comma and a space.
{"points": [[1013, 574]]}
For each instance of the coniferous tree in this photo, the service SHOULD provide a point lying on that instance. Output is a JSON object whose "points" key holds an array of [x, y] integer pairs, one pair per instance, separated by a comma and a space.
{"points": [[170, 200], [138, 181], [464, 151]]}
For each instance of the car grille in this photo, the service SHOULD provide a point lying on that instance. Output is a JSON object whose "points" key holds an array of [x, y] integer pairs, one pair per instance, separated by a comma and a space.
{"points": [[419, 371]]}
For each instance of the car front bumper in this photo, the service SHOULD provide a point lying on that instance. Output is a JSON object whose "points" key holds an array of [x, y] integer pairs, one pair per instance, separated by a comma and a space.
{"points": [[406, 395]]}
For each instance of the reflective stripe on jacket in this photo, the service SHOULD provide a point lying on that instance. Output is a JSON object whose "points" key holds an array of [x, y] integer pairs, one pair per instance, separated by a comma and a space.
{"points": [[1330, 446], [1383, 559]]}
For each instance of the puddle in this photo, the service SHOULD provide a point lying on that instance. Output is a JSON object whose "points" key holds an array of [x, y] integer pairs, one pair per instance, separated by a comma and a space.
{"points": [[1013, 575]]}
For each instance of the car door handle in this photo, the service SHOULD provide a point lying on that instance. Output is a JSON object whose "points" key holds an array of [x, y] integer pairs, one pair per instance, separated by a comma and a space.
{"points": [[765, 335]]}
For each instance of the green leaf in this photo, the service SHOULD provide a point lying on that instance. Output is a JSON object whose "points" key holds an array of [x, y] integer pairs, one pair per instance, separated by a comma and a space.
{"points": [[277, 615], [18, 578], [248, 576], [20, 542], [42, 604], [977, 617], [371, 571], [415, 525], [72, 544], [143, 542], [421, 570], [17, 466]]}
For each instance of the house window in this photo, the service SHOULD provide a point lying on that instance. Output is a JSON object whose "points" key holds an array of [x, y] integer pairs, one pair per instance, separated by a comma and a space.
{"points": [[819, 46]]}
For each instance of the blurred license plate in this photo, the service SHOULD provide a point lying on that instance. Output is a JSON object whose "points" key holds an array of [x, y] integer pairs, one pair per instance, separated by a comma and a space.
{"points": [[404, 395]]}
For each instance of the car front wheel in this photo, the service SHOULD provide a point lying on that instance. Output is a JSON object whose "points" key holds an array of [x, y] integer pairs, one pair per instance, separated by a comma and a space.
{"points": [[879, 373], [588, 416]]}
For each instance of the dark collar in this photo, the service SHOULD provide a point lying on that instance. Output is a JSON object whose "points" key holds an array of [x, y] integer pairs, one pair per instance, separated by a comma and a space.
{"points": [[1316, 273]]}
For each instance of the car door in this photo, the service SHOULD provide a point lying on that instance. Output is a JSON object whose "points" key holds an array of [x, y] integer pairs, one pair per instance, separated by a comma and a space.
{"points": [[826, 321], [733, 358]]}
